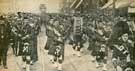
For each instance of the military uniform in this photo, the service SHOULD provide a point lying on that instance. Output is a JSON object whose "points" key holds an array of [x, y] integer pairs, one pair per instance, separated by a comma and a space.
{"points": [[78, 34], [50, 36], [17, 31], [101, 54], [99, 40], [122, 49], [4, 42], [32, 30], [26, 46], [14, 38], [57, 33], [53, 34]]}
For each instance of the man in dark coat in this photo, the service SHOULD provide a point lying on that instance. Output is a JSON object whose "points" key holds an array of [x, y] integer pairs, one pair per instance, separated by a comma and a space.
{"points": [[4, 41]]}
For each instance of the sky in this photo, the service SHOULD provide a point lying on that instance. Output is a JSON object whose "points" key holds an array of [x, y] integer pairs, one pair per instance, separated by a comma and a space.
{"points": [[29, 5]]}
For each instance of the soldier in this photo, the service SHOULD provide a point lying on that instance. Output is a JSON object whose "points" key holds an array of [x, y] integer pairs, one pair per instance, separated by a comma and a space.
{"points": [[4, 41], [16, 31], [123, 50], [50, 40], [57, 52], [26, 45], [49, 33], [101, 56], [33, 31], [121, 45], [89, 30], [14, 37], [78, 34], [57, 48]]}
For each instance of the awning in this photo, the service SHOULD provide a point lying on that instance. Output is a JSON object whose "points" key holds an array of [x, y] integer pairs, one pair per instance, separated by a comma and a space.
{"points": [[119, 4], [76, 4], [73, 4]]}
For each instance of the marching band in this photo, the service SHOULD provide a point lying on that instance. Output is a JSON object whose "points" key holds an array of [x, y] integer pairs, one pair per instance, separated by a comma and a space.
{"points": [[20, 31]]}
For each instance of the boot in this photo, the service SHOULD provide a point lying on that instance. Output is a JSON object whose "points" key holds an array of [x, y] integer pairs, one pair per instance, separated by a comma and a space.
{"points": [[60, 67], [51, 58], [104, 67], [78, 53], [5, 67], [97, 65], [74, 52], [27, 67], [24, 65], [93, 58], [31, 62], [55, 64]]}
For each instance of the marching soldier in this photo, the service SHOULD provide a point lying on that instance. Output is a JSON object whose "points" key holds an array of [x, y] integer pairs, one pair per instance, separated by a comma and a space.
{"points": [[59, 52], [121, 45], [14, 37], [33, 30], [78, 34], [27, 46], [4, 41], [57, 48], [16, 31], [49, 33], [101, 57]]}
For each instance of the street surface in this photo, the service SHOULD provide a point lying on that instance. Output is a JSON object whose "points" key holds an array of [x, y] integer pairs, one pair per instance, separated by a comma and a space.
{"points": [[71, 63]]}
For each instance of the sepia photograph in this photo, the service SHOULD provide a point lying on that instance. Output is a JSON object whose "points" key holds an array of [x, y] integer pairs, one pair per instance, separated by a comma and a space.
{"points": [[67, 35]]}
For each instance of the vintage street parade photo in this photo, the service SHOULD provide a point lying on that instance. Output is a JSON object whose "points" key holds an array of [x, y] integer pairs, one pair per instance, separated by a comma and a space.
{"points": [[67, 35]]}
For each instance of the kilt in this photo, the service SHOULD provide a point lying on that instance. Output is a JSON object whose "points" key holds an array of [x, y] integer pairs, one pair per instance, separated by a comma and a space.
{"points": [[61, 53], [101, 57], [77, 38], [26, 51], [53, 48], [95, 49]]}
